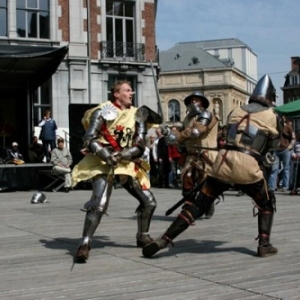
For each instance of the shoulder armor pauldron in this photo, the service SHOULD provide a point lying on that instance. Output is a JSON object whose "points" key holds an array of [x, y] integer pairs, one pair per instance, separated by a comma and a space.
{"points": [[204, 117]]}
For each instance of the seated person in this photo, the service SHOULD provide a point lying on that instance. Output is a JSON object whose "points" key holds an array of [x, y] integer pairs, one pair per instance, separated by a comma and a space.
{"points": [[61, 158], [13, 155], [35, 151]]}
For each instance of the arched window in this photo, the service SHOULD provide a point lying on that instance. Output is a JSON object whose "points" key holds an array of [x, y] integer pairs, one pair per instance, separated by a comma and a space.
{"points": [[174, 111]]}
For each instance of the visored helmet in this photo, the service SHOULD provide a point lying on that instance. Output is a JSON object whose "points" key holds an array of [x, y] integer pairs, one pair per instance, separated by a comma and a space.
{"points": [[38, 197], [197, 94], [264, 92]]}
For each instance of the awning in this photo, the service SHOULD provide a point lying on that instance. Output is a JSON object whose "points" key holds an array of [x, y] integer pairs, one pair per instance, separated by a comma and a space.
{"points": [[24, 67], [291, 109]]}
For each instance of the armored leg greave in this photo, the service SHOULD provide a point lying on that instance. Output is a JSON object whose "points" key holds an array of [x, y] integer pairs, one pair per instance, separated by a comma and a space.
{"points": [[144, 211], [95, 208]]}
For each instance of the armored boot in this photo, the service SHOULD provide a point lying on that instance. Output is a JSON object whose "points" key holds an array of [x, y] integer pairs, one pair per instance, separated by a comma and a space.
{"points": [[83, 251], [181, 223], [265, 220]]}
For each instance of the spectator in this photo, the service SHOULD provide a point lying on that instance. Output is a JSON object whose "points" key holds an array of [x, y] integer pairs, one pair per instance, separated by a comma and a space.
{"points": [[155, 153], [48, 133], [174, 157], [61, 158], [295, 164], [153, 162], [35, 151], [287, 142], [13, 155], [163, 161]]}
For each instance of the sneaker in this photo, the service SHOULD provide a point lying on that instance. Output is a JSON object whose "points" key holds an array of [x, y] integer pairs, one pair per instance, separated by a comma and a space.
{"points": [[82, 253], [268, 250], [67, 189]]}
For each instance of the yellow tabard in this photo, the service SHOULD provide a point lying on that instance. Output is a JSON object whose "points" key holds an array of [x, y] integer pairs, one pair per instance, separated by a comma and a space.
{"points": [[236, 167], [92, 165]]}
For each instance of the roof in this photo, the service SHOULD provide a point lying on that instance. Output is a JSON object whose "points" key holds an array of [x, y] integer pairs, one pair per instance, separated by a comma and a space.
{"points": [[215, 44], [24, 67], [187, 58]]}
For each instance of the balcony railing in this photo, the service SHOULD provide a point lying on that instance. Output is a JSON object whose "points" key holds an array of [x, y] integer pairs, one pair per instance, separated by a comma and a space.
{"points": [[123, 51]]}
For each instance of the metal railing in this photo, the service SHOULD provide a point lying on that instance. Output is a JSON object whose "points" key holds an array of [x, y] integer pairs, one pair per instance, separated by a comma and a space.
{"points": [[125, 51]]}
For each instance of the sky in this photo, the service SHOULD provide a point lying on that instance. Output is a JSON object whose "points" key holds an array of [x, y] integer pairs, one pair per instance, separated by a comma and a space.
{"points": [[269, 27]]}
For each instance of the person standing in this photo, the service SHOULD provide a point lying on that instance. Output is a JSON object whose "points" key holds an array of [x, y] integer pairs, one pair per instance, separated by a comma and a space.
{"points": [[283, 155], [158, 177], [253, 130], [48, 133], [295, 157], [62, 160], [153, 162], [164, 166], [114, 141], [174, 157]]}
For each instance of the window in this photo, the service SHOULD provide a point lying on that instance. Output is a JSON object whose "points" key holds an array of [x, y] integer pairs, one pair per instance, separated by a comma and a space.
{"points": [[3, 18], [41, 102], [120, 28], [294, 80], [33, 19], [132, 79], [174, 111]]}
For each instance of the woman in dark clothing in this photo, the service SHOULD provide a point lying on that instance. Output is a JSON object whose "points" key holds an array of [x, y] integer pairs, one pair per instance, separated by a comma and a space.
{"points": [[48, 133]]}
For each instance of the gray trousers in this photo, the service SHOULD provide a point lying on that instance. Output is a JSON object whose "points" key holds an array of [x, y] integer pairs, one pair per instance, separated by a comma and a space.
{"points": [[57, 170]]}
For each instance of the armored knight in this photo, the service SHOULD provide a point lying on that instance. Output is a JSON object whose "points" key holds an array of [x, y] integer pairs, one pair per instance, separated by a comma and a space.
{"points": [[200, 128], [114, 142], [253, 130]]}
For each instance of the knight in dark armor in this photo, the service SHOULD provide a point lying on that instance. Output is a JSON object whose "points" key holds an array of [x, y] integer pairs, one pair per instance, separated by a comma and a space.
{"points": [[114, 143], [253, 130], [200, 129]]}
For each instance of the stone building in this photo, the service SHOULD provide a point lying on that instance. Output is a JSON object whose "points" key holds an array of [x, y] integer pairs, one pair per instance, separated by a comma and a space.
{"points": [[291, 88], [225, 71]]}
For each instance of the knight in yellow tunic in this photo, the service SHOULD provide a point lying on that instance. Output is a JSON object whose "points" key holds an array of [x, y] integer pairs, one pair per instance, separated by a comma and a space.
{"points": [[253, 130], [113, 143]]}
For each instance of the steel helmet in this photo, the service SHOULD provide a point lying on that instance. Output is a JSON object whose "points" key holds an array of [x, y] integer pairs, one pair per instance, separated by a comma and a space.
{"points": [[264, 91], [204, 100], [38, 197]]}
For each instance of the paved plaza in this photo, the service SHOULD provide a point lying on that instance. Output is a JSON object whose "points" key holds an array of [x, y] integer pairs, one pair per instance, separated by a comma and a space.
{"points": [[215, 259]]}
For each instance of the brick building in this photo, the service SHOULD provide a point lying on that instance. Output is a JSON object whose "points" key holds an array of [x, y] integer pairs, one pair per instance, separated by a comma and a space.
{"points": [[78, 48]]}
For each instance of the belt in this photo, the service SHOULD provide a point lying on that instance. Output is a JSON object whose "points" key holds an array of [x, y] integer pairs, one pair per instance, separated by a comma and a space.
{"points": [[245, 151]]}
